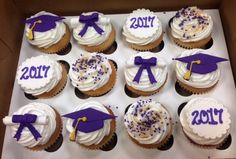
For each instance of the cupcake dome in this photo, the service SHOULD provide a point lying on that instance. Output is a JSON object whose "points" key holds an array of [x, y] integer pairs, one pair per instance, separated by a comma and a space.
{"points": [[205, 121], [41, 76], [47, 125], [142, 30], [147, 82], [148, 123]]}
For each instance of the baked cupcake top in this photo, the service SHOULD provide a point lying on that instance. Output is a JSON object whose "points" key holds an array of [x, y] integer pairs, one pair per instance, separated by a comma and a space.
{"points": [[148, 122], [204, 71], [90, 72], [92, 28], [44, 29], [142, 27], [145, 71], [205, 121], [191, 24], [95, 123], [40, 74], [33, 124]]}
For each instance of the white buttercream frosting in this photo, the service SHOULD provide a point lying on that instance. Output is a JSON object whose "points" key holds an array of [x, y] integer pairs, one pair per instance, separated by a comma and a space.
{"points": [[95, 137], [45, 130], [191, 24], [90, 72], [196, 80], [47, 38], [92, 37], [205, 133], [148, 122], [159, 72], [35, 66], [142, 27]]}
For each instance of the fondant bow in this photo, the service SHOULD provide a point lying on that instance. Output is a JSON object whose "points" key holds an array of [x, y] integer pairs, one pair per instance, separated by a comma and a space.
{"points": [[145, 64], [25, 120], [89, 21]]}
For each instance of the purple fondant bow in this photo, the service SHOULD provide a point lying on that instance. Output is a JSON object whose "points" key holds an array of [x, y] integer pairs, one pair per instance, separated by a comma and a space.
{"points": [[89, 21], [25, 120], [145, 64]]}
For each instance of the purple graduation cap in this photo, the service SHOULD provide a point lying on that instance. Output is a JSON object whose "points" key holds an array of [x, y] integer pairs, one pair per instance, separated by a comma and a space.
{"points": [[92, 119], [42, 23]]}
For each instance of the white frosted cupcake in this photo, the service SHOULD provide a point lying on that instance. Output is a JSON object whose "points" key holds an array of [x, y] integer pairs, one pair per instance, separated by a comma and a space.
{"points": [[36, 126], [191, 27], [148, 123], [47, 32], [205, 122], [93, 74], [92, 125], [41, 76], [142, 30], [145, 73], [93, 31]]}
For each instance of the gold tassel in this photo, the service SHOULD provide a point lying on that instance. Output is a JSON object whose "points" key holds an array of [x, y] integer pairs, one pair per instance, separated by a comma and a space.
{"points": [[73, 133], [189, 72], [31, 35]]}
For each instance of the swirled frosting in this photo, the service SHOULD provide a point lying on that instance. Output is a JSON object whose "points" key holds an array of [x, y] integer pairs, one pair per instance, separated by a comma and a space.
{"points": [[45, 130], [206, 132], [91, 37], [191, 24], [148, 122], [40, 74], [196, 80], [147, 27], [90, 72], [47, 38], [159, 71], [95, 137]]}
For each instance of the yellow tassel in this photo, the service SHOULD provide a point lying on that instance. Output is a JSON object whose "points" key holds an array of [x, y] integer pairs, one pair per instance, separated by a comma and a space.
{"points": [[189, 72], [31, 35], [73, 133]]}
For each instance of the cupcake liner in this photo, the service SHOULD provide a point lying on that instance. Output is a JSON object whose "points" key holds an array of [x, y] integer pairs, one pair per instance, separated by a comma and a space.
{"points": [[147, 47], [61, 45], [55, 136], [58, 88], [111, 143], [56, 145], [195, 90], [107, 140], [107, 87], [105, 45], [148, 93], [66, 50]]}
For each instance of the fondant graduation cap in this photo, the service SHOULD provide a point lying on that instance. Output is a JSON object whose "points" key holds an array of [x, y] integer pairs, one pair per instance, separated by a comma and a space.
{"points": [[42, 23], [91, 119], [200, 63]]}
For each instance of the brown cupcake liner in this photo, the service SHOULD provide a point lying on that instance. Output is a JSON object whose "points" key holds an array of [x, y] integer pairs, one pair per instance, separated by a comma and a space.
{"points": [[195, 90], [58, 88], [55, 136], [147, 47], [107, 87], [61, 45], [191, 45], [148, 93], [105, 141], [104, 46]]}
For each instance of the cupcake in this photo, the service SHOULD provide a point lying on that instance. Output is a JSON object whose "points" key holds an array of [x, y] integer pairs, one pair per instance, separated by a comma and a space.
{"points": [[36, 126], [148, 123], [145, 73], [191, 27], [93, 74], [47, 32], [92, 125], [196, 71], [93, 31], [142, 30], [41, 76], [205, 122]]}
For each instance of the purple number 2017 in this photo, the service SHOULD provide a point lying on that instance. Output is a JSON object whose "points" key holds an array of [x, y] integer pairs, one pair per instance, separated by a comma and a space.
{"points": [[34, 72], [142, 22], [207, 116]]}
